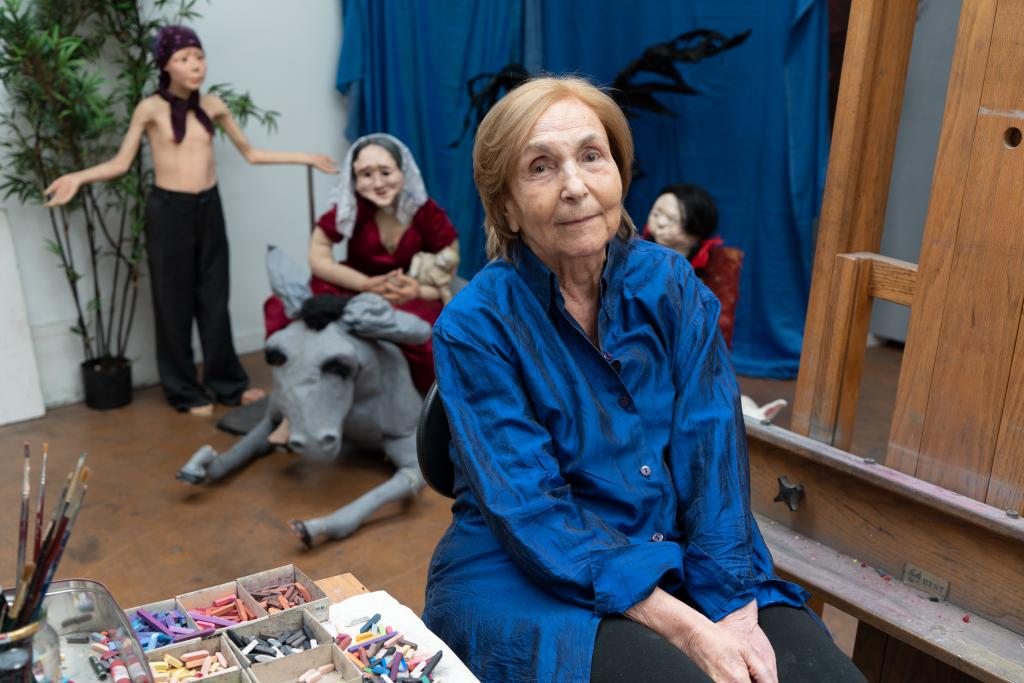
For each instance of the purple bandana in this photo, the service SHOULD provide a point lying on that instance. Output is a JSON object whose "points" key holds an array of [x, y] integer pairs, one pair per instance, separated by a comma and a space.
{"points": [[169, 40]]}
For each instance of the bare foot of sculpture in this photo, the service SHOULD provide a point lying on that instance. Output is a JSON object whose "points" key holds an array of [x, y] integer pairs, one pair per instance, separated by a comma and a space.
{"points": [[279, 437], [205, 410], [253, 394]]}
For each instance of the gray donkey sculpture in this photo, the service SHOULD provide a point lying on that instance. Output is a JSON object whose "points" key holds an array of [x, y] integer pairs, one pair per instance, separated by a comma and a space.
{"points": [[337, 376]]}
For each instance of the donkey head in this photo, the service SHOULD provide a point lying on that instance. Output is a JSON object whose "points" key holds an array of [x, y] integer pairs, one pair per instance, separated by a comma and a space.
{"points": [[315, 363], [316, 359]]}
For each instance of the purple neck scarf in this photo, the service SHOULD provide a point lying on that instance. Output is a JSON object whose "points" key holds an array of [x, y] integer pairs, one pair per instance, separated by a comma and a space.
{"points": [[169, 40]]}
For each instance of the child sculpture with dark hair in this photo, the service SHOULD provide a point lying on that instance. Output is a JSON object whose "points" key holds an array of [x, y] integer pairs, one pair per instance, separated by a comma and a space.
{"points": [[684, 218], [186, 239]]}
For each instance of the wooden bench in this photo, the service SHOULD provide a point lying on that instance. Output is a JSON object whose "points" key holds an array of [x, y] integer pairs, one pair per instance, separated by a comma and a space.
{"points": [[873, 517]]}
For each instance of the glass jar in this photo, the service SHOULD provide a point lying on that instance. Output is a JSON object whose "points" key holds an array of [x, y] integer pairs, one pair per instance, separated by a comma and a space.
{"points": [[30, 654], [16, 654], [46, 654]]}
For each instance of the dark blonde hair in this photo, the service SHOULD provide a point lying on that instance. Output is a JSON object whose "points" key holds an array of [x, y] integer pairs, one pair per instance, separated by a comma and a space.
{"points": [[503, 134]]}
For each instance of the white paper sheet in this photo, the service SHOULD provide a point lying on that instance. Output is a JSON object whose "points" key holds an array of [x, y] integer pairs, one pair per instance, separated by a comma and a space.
{"points": [[393, 613]]}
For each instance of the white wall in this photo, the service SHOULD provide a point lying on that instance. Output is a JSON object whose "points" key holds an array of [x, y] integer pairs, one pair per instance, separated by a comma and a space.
{"points": [[285, 54]]}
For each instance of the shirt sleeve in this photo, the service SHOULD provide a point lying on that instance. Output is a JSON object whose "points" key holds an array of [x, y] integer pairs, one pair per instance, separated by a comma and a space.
{"points": [[506, 456], [727, 562], [435, 229], [328, 223]]}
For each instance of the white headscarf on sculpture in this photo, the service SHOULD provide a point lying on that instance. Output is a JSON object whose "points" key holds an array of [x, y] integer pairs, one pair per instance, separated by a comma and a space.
{"points": [[412, 196]]}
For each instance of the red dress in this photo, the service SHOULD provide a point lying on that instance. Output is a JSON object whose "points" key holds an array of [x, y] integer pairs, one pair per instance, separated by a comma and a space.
{"points": [[430, 230], [718, 267]]}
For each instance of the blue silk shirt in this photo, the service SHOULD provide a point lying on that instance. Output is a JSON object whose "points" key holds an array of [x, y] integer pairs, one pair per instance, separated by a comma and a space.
{"points": [[585, 476]]}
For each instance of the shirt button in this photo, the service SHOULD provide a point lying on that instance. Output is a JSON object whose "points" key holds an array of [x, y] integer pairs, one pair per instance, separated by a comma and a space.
{"points": [[624, 401], [658, 537], [617, 365], [645, 470]]}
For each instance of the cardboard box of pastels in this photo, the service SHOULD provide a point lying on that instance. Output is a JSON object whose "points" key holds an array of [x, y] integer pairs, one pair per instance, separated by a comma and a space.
{"points": [[323, 664], [285, 588], [163, 624], [222, 606], [205, 659], [284, 646]]}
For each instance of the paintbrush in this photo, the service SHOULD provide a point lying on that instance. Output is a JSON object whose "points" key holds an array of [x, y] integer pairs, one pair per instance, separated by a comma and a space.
{"points": [[20, 594], [51, 571], [53, 546], [40, 504], [23, 527], [3, 610]]}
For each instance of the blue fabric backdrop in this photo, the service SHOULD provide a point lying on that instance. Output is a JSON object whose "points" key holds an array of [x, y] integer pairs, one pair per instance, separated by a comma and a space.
{"points": [[756, 138], [404, 65]]}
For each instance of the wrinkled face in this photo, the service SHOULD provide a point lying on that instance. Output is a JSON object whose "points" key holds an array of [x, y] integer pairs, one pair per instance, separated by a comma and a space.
{"points": [[666, 223], [378, 177], [566, 194], [187, 68], [314, 380]]}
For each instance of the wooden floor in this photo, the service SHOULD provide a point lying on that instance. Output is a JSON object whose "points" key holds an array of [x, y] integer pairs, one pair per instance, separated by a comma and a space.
{"points": [[148, 536]]}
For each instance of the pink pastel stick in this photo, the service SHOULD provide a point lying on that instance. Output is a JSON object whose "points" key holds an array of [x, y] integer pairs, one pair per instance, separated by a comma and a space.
{"points": [[211, 620]]}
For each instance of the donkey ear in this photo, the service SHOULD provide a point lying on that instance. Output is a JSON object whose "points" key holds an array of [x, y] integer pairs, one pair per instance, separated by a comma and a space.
{"points": [[370, 316], [289, 282]]}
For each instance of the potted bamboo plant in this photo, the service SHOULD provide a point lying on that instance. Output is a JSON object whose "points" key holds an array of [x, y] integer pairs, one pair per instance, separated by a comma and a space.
{"points": [[73, 70]]}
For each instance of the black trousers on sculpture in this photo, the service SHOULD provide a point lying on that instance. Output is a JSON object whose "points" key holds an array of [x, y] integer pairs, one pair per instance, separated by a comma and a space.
{"points": [[187, 247], [804, 653]]}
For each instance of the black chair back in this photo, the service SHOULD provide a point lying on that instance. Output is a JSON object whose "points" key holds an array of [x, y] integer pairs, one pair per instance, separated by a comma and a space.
{"points": [[433, 438]]}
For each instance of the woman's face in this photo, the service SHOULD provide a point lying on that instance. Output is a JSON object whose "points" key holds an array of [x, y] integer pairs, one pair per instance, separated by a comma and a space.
{"points": [[566, 193], [187, 68], [378, 177], [666, 224]]}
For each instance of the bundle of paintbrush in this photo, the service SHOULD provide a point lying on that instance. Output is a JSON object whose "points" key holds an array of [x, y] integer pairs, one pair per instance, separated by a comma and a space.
{"points": [[37, 565]]}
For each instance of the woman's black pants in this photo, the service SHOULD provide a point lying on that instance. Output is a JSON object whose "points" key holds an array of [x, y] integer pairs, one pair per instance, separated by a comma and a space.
{"points": [[187, 247], [627, 651]]}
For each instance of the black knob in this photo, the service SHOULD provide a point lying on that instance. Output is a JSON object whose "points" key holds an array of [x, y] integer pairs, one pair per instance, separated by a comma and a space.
{"points": [[790, 494]]}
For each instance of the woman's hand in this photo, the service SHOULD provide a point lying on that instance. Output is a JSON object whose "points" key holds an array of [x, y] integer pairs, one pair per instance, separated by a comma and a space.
{"points": [[62, 189], [715, 648], [378, 284], [726, 657], [324, 163], [743, 624], [402, 289]]}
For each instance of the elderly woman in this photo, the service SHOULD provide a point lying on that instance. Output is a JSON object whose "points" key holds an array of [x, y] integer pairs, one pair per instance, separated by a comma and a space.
{"points": [[594, 536]]}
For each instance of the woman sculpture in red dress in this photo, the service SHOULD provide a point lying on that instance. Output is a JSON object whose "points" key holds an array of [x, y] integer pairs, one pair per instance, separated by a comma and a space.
{"points": [[685, 218], [380, 219]]}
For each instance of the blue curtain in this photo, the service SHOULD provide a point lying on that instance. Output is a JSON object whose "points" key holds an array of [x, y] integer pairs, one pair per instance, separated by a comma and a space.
{"points": [[404, 65], [756, 137]]}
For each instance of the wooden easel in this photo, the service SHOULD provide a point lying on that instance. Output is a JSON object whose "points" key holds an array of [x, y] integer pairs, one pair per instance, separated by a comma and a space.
{"points": [[944, 508]]}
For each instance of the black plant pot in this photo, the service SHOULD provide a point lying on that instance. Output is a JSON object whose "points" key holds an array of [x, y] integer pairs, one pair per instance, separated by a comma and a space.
{"points": [[108, 383]]}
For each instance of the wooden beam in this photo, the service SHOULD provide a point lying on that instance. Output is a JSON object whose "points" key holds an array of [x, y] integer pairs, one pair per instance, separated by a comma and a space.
{"points": [[952, 165], [837, 383], [890, 279], [860, 165]]}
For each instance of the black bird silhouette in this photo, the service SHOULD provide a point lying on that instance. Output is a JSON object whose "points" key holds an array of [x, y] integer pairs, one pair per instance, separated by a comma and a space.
{"points": [[660, 59]]}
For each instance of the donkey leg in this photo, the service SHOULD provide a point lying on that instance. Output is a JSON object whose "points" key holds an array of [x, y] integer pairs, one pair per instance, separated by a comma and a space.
{"points": [[341, 523], [206, 465]]}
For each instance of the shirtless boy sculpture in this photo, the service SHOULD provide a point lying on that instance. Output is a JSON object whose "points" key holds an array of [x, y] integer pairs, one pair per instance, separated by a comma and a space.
{"points": [[186, 240]]}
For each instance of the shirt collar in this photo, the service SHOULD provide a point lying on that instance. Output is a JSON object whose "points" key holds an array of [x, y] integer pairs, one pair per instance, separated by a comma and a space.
{"points": [[544, 283]]}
